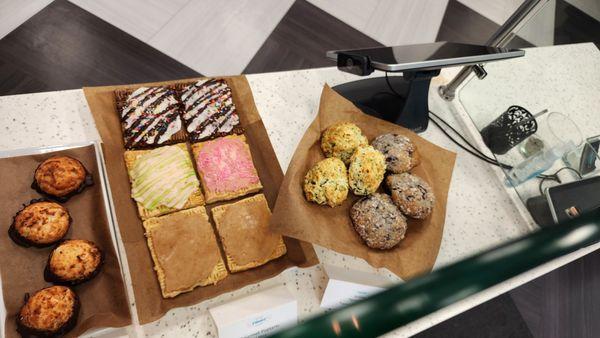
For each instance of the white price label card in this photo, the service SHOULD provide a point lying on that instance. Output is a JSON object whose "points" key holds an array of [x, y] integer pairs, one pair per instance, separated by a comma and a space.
{"points": [[256, 315], [347, 286]]}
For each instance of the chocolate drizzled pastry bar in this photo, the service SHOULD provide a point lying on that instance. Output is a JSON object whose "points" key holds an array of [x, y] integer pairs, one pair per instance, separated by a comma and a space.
{"points": [[209, 110], [150, 117]]}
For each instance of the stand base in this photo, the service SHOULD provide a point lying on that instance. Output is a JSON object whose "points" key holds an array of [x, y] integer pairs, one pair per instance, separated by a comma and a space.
{"points": [[408, 109]]}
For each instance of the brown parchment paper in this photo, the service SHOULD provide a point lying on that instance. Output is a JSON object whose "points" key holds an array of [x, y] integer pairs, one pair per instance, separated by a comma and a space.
{"points": [[149, 302], [331, 227], [103, 299]]}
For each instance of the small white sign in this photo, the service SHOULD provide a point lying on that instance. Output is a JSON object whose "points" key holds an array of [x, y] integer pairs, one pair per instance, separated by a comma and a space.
{"points": [[256, 315], [348, 286]]}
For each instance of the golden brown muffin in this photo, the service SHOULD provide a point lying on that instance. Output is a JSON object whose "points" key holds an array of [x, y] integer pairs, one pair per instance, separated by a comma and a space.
{"points": [[74, 261], [61, 177], [327, 182], [411, 194], [341, 140], [40, 224], [401, 154], [49, 312], [367, 167]]}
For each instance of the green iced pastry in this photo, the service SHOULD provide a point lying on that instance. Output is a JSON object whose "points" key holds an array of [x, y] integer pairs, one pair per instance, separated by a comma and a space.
{"points": [[163, 177]]}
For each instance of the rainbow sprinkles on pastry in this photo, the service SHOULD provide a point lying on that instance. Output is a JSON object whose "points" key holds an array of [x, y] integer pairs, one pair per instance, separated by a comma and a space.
{"points": [[226, 168], [209, 111], [150, 116], [163, 180]]}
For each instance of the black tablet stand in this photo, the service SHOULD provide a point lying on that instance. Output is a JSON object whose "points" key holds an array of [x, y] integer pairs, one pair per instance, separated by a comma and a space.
{"points": [[405, 103]]}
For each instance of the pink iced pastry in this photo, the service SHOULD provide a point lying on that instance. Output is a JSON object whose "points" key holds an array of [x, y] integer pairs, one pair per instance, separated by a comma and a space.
{"points": [[226, 168]]}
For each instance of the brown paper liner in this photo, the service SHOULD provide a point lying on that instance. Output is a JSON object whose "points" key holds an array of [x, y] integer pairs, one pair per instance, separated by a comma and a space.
{"points": [[331, 227], [103, 299], [148, 298]]}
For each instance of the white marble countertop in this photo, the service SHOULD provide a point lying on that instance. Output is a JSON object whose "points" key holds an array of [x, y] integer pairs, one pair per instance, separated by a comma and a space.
{"points": [[480, 213]]}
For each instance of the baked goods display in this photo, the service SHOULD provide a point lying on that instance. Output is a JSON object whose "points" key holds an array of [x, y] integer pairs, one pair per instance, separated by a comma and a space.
{"points": [[49, 312], [400, 153], [378, 218], [61, 177], [225, 167], [150, 116], [208, 110], [175, 185], [378, 221], [184, 250], [163, 180], [366, 170], [41, 223], [411, 194], [243, 228], [73, 262], [341, 139], [327, 182]]}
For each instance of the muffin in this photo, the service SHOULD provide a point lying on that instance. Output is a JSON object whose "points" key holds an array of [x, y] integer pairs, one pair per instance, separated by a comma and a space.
{"points": [[49, 312], [400, 153], [341, 140], [367, 167], [40, 224], [411, 194], [327, 182], [73, 262], [61, 177], [378, 221]]}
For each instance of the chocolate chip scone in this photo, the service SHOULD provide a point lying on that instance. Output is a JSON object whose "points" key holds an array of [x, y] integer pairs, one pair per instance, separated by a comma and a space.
{"points": [[411, 194], [367, 167], [341, 140], [378, 221], [401, 154], [327, 182]]}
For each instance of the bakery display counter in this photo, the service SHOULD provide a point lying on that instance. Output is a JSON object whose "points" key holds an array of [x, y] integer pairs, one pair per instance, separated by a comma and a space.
{"points": [[481, 211]]}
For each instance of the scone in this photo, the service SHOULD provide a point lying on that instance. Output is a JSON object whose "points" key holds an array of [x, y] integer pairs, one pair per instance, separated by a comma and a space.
{"points": [[73, 262], [327, 182], [163, 180], [411, 194], [150, 117], [400, 153], [367, 167], [226, 168], [341, 140], [185, 251], [50, 312], [243, 228], [61, 177], [40, 224], [209, 110], [378, 221]]}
